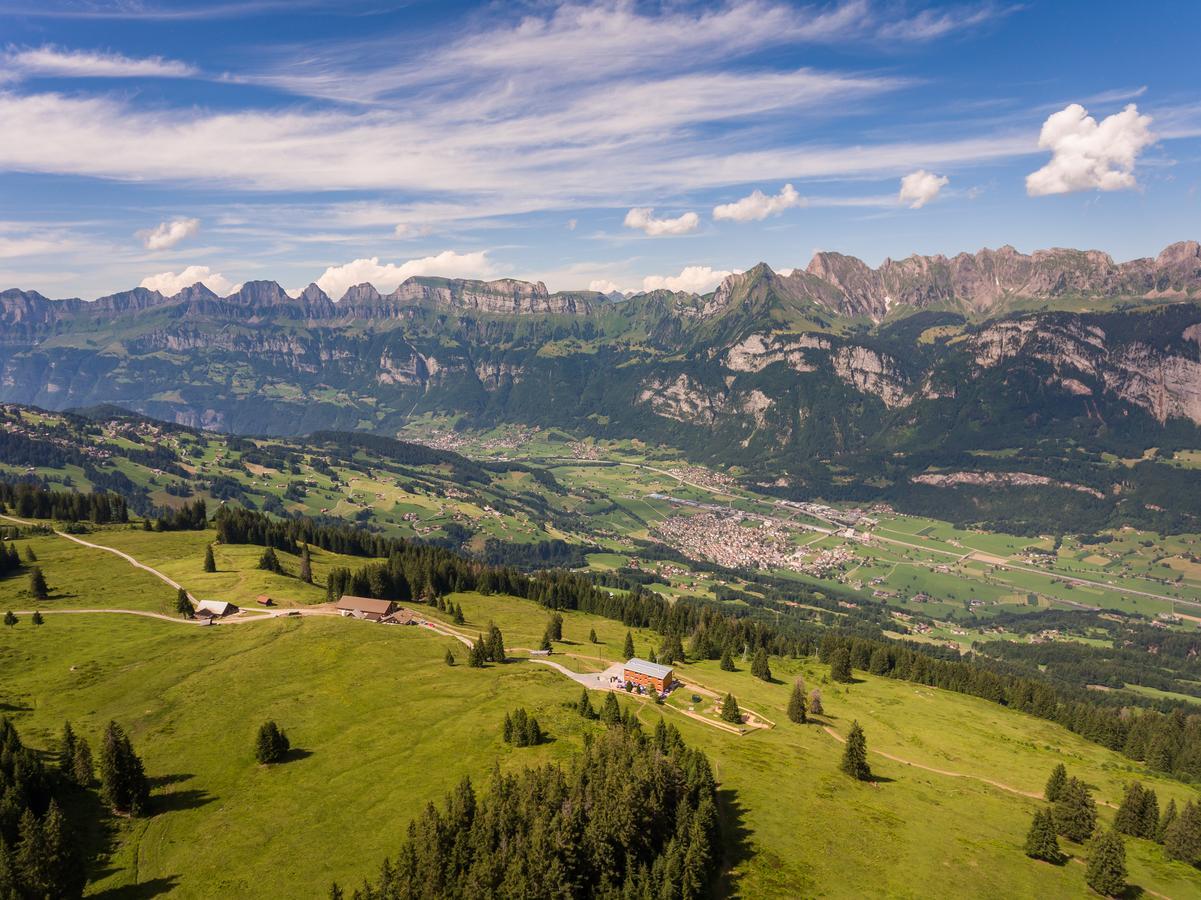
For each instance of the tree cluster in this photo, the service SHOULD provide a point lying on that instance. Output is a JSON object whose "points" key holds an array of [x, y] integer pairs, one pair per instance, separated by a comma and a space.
{"points": [[487, 649], [124, 785], [32, 501], [521, 729]]}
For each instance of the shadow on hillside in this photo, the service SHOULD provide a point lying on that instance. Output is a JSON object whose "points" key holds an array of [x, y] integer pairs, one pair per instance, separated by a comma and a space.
{"points": [[735, 838], [14, 708], [161, 781], [296, 754], [176, 801], [143, 891]]}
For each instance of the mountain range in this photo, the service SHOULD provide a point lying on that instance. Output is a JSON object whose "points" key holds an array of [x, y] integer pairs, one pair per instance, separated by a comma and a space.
{"points": [[837, 378]]}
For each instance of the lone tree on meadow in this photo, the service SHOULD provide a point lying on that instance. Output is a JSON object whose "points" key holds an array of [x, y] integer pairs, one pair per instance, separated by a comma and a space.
{"points": [[628, 647], [796, 704], [10, 618], [37, 619], [1041, 842], [854, 757], [1059, 777], [554, 630], [840, 665], [730, 711], [1075, 812], [760, 667], [210, 562], [1106, 872], [124, 784], [545, 645], [272, 744], [183, 605], [269, 562], [37, 584], [727, 660], [592, 636], [450, 657], [306, 565], [457, 615], [584, 707]]}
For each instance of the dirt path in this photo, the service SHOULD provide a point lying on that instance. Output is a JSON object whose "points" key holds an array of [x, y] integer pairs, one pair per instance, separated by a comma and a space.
{"points": [[127, 612]]}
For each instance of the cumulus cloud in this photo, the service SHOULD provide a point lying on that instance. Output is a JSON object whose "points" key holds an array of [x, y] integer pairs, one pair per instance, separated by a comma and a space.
{"points": [[170, 283], [54, 62], [920, 187], [692, 279], [643, 218], [167, 234], [407, 231], [1086, 155], [758, 205], [337, 280], [604, 286]]}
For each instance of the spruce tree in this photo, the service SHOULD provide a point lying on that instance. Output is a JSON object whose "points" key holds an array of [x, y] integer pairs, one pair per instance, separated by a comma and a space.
{"points": [[796, 704], [269, 562], [37, 584], [727, 660], [458, 618], [10, 618], [1169, 816], [66, 750], [584, 707], [36, 618], [1182, 838], [32, 860], [815, 703], [840, 665], [210, 562], [1059, 777], [555, 629], [628, 647], [1106, 872], [610, 711], [272, 744], [506, 729], [183, 605], [1150, 816], [1075, 812], [30, 556], [82, 772], [592, 636], [730, 711], [496, 644], [545, 645], [854, 757], [67, 871], [306, 565], [759, 665], [450, 657], [124, 784], [1041, 842]]}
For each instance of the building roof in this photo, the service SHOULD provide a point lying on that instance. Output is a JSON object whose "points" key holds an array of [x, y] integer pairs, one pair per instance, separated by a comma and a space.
{"points": [[217, 607], [365, 604], [650, 669]]}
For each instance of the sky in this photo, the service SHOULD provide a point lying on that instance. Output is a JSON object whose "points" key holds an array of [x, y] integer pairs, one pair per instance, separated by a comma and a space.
{"points": [[613, 145]]}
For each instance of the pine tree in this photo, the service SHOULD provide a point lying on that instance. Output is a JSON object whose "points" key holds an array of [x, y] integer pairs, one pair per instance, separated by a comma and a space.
{"points": [[67, 872], [450, 657], [306, 565], [271, 744], [555, 630], [533, 732], [584, 707], [123, 779], [1150, 816], [759, 665], [32, 860], [545, 645], [879, 663], [1106, 872], [815, 703], [727, 660], [66, 750], [496, 644], [796, 704], [610, 712], [30, 556], [1182, 838], [506, 729], [475, 658], [210, 562], [840, 665], [183, 605], [854, 757], [592, 636], [82, 772], [1075, 812], [269, 562], [730, 711], [36, 618], [10, 618], [1169, 816], [458, 618], [1041, 842], [1059, 777], [37, 584], [628, 648], [1138, 814]]}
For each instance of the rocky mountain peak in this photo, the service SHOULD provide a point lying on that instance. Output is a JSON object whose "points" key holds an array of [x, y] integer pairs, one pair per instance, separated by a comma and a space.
{"points": [[260, 293], [313, 294], [361, 293]]}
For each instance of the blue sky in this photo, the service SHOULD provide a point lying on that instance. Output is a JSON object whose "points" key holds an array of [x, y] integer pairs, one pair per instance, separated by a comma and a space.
{"points": [[616, 145]]}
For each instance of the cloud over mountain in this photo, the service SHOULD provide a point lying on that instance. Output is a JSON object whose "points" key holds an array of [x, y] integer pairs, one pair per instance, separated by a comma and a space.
{"points": [[386, 277], [920, 187], [693, 279], [1086, 155], [170, 283], [757, 205]]}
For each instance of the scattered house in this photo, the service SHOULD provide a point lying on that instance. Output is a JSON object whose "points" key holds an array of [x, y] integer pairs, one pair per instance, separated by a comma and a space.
{"points": [[539, 653], [215, 608], [402, 616], [264, 600], [647, 674], [365, 608]]}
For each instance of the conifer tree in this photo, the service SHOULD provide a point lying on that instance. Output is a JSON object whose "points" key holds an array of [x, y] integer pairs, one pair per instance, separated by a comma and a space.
{"points": [[269, 562], [33, 863], [36, 618], [210, 562], [730, 711], [183, 605], [30, 556], [555, 629], [628, 647], [37, 584], [66, 750], [272, 744], [1150, 816], [796, 704], [854, 757], [124, 784], [545, 645], [82, 772], [592, 636], [840, 665], [759, 665], [1041, 842], [878, 663], [10, 618], [1106, 872], [475, 657], [450, 657], [496, 644], [1075, 812], [727, 660], [1059, 777], [1182, 838], [506, 729], [584, 707], [306, 565], [458, 618], [533, 732], [1138, 814], [610, 711], [1169, 816], [815, 703]]}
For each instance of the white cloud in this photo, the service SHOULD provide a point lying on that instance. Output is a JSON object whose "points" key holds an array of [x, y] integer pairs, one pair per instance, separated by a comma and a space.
{"points": [[604, 286], [406, 231], [167, 234], [757, 205], [920, 187], [53, 62], [337, 280], [170, 283], [1086, 155], [692, 279], [643, 218]]}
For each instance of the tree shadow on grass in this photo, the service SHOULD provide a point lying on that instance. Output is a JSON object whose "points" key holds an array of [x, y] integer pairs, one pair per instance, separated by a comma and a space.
{"points": [[161, 781], [879, 779], [295, 754], [144, 891], [735, 839], [176, 801]]}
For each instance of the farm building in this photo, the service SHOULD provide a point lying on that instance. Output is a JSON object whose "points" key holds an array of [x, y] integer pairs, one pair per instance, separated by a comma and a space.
{"points": [[365, 607], [216, 608], [264, 600], [648, 674], [402, 616]]}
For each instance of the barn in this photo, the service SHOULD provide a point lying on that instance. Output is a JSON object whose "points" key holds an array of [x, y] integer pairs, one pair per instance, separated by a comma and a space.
{"points": [[215, 608], [365, 607], [649, 675]]}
